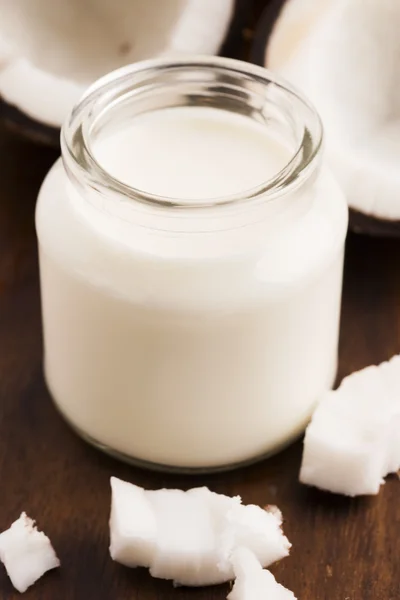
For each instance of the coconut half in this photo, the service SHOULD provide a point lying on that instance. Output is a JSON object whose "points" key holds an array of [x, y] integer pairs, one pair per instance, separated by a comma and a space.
{"points": [[52, 50], [344, 56], [252, 581]]}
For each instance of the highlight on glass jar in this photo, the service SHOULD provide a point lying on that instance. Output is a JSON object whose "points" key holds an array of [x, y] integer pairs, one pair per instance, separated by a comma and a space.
{"points": [[191, 248]]}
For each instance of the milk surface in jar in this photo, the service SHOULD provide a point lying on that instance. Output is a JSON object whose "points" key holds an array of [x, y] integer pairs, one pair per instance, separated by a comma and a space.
{"points": [[191, 254]]}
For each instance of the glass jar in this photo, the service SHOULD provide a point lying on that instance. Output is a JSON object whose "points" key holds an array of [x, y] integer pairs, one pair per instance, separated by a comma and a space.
{"points": [[190, 334]]}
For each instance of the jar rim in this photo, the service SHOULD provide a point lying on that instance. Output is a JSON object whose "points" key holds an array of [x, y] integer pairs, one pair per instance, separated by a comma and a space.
{"points": [[84, 169]]}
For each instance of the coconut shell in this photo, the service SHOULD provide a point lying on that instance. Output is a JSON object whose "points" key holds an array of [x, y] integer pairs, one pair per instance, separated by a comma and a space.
{"points": [[18, 122], [368, 225], [24, 126], [358, 222], [235, 44], [264, 29]]}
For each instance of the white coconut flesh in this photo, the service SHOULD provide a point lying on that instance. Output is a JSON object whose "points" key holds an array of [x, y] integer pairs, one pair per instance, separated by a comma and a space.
{"points": [[52, 50], [344, 56], [188, 537], [26, 553], [252, 581], [353, 440]]}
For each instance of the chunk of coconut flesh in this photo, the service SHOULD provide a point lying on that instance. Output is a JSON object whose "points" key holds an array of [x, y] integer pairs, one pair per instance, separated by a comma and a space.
{"points": [[353, 440], [52, 50], [253, 582], [343, 56], [26, 553], [188, 537]]}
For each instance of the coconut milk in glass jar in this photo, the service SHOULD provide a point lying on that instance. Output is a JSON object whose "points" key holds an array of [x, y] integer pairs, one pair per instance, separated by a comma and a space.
{"points": [[191, 254]]}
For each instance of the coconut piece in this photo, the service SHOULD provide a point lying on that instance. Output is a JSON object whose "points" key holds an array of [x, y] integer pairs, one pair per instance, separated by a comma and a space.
{"points": [[342, 55], [192, 534], [26, 553], [252, 582], [133, 525], [234, 525], [256, 529], [352, 442], [186, 540], [52, 50]]}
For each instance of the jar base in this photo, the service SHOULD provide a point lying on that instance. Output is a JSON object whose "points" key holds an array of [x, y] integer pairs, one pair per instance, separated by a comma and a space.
{"points": [[181, 470]]}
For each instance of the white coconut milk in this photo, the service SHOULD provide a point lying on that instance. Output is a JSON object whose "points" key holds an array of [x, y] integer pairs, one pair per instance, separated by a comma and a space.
{"points": [[202, 339]]}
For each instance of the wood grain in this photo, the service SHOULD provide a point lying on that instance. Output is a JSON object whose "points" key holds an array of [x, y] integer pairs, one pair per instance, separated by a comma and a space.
{"points": [[342, 549]]}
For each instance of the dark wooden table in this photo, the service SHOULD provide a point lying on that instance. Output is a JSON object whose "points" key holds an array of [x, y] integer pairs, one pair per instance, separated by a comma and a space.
{"points": [[342, 549]]}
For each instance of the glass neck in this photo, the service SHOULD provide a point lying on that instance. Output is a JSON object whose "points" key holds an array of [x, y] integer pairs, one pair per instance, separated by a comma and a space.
{"points": [[207, 82]]}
